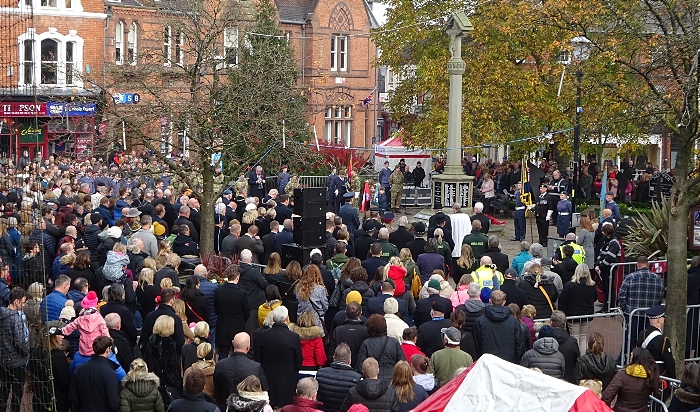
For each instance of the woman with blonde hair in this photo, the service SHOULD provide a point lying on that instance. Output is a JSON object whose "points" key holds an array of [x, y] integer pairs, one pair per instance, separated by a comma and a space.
{"points": [[540, 290], [179, 308], [147, 292], [274, 264], [344, 236], [313, 353], [578, 299], [528, 315], [467, 263], [444, 248], [140, 389], [190, 349], [395, 271], [161, 357], [461, 295], [206, 364], [408, 392], [595, 363], [410, 265], [311, 294], [33, 313], [249, 397]]}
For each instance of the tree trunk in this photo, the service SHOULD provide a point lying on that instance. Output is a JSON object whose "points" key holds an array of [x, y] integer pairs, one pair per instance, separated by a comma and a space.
{"points": [[206, 237], [678, 221]]}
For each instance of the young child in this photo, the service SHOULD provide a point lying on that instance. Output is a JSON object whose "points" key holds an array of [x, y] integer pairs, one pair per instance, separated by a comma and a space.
{"points": [[90, 324], [594, 385], [114, 269], [382, 201]]}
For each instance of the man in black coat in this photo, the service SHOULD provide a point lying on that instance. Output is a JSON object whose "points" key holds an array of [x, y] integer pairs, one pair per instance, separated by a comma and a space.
{"points": [[363, 243], [229, 372], [184, 219], [430, 333], [376, 394], [279, 352], [432, 222], [401, 236], [253, 284], [417, 245], [231, 307], [125, 349], [514, 294], [479, 215], [425, 306], [94, 386], [567, 266], [282, 209], [285, 236], [167, 296], [568, 345], [499, 333], [184, 245], [335, 381], [268, 241], [252, 242], [376, 305], [352, 332], [498, 258]]}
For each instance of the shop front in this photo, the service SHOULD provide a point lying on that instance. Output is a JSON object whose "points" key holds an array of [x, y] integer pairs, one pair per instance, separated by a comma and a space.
{"points": [[43, 129]]}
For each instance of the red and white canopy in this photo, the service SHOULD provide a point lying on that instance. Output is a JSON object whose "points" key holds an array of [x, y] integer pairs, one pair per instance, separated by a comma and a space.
{"points": [[492, 384]]}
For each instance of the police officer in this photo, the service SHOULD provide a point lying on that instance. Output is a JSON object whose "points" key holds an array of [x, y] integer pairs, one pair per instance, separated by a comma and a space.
{"points": [[658, 345], [519, 217], [542, 214], [487, 276], [579, 253], [555, 187], [564, 209]]}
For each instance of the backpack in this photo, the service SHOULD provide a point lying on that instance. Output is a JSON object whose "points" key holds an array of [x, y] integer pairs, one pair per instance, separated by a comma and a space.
{"points": [[335, 270]]}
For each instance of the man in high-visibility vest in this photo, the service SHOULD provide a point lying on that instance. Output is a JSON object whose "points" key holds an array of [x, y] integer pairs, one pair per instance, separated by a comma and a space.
{"points": [[579, 253], [487, 276]]}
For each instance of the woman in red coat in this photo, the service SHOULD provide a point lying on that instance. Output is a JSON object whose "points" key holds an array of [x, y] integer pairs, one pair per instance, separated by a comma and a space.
{"points": [[312, 352]]}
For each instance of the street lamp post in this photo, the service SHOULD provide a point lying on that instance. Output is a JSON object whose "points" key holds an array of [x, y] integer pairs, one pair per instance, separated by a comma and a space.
{"points": [[577, 140]]}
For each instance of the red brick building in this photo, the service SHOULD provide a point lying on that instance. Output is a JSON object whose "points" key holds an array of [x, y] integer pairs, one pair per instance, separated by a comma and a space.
{"points": [[336, 55], [48, 50]]}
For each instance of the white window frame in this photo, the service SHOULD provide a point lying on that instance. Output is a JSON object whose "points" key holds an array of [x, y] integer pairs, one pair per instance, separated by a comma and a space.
{"points": [[339, 53], [28, 62], [70, 64], [167, 45], [35, 67], [119, 43], [58, 5], [338, 125], [179, 49], [132, 44], [231, 43]]}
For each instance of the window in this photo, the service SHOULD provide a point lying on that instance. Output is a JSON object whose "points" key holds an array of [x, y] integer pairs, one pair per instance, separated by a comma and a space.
{"points": [[131, 47], [70, 62], [231, 45], [48, 3], [49, 61], [338, 125], [60, 5], [50, 58], [179, 52], [167, 45], [119, 43], [339, 53], [28, 62]]}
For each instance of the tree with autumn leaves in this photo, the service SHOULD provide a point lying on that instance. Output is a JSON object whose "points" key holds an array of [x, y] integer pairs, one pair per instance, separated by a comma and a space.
{"points": [[641, 73]]}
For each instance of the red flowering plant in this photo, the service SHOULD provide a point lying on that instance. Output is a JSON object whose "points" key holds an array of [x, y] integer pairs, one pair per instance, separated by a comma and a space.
{"points": [[216, 265]]}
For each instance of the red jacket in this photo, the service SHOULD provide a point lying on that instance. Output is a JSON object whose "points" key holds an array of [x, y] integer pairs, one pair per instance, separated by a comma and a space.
{"points": [[397, 273], [410, 350], [302, 405], [313, 354]]}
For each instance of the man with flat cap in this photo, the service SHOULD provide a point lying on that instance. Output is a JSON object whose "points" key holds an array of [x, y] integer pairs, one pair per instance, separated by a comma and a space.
{"points": [[612, 205], [348, 213], [658, 345]]}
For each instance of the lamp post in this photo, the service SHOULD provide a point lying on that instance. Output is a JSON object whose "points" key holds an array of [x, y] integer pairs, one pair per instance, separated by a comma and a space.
{"points": [[581, 50]]}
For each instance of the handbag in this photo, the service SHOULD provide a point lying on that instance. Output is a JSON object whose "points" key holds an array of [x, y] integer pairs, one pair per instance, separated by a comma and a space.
{"points": [[326, 336], [415, 285], [195, 313], [547, 297]]}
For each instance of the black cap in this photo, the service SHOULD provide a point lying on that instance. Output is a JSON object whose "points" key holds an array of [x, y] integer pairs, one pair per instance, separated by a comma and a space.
{"points": [[368, 226], [95, 218], [655, 312], [419, 228], [439, 307]]}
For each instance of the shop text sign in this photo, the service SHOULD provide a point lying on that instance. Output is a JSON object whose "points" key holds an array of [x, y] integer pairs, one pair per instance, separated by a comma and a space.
{"points": [[70, 109], [23, 109]]}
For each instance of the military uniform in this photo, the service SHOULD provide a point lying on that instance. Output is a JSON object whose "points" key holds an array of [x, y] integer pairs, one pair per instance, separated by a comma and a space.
{"points": [[541, 211], [658, 345], [555, 187], [519, 217], [396, 182], [563, 219]]}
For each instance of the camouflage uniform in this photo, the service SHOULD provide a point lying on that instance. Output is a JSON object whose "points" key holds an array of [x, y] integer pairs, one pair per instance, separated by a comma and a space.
{"points": [[396, 182], [293, 184], [241, 184], [356, 186]]}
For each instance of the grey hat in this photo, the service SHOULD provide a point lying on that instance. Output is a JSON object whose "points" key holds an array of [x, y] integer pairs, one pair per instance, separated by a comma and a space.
{"points": [[452, 334]]}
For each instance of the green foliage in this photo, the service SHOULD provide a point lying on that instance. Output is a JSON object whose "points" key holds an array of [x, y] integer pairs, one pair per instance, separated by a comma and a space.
{"points": [[649, 232]]}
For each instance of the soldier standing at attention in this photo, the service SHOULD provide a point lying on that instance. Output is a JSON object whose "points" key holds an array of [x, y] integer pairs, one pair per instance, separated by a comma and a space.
{"points": [[396, 182], [542, 214]]}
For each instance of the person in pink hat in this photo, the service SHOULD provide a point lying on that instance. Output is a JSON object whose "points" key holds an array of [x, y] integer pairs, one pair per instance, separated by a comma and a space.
{"points": [[89, 323]]}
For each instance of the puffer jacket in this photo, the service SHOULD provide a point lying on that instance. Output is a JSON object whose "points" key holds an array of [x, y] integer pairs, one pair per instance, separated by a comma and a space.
{"points": [[52, 306], [473, 309], [592, 366], [372, 348], [312, 352], [248, 402], [334, 383], [631, 388], [536, 298], [113, 268], [15, 343], [397, 274], [141, 394], [4, 293], [376, 394], [545, 356], [364, 289], [91, 325], [92, 240]]}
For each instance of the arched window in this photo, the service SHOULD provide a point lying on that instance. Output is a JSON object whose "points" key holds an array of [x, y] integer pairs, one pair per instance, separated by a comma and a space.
{"points": [[49, 61], [70, 62], [133, 33], [119, 43]]}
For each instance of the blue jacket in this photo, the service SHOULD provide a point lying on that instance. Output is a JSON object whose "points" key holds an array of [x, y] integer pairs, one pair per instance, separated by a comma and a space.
{"points": [[58, 268], [121, 204], [207, 288], [52, 306], [79, 359], [48, 248], [283, 237], [384, 177], [106, 214], [519, 261], [5, 293]]}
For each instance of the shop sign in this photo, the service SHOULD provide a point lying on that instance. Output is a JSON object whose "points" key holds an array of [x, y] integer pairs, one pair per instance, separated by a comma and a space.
{"points": [[70, 109], [83, 145], [31, 133], [26, 109]]}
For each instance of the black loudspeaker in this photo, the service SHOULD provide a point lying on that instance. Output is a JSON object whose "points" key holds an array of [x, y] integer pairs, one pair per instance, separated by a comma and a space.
{"points": [[292, 251], [310, 231], [310, 202]]}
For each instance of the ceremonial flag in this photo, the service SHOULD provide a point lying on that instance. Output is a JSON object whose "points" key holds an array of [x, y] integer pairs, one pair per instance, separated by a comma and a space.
{"points": [[603, 189], [365, 197], [526, 189], [350, 171], [368, 100]]}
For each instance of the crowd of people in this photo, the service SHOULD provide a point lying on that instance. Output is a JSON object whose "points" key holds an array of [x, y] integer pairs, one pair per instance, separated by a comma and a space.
{"points": [[98, 315]]}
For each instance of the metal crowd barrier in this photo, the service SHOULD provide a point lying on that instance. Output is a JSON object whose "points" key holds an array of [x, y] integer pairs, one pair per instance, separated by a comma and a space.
{"points": [[656, 405]]}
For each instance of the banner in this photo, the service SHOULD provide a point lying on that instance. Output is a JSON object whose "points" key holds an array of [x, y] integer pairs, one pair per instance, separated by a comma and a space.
{"points": [[31, 133]]}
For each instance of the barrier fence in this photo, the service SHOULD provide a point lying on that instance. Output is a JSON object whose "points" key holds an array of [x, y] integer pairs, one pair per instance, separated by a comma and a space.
{"points": [[619, 271]]}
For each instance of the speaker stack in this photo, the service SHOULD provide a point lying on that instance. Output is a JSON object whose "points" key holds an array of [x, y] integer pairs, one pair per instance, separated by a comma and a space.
{"points": [[309, 225]]}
